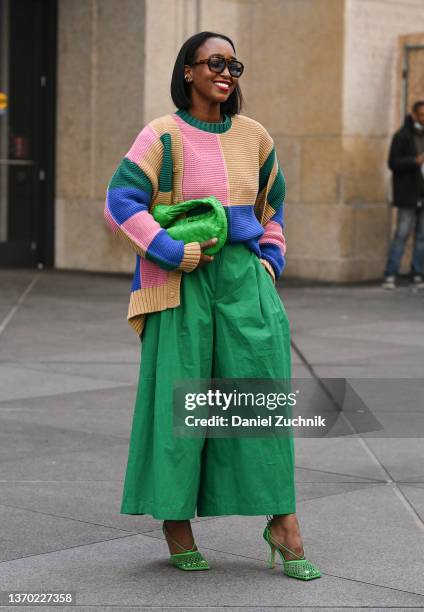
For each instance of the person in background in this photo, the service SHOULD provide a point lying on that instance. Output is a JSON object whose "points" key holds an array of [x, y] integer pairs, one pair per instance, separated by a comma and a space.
{"points": [[406, 161]]}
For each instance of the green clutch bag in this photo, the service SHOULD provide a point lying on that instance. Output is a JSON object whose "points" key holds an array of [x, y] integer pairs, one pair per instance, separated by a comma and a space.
{"points": [[194, 221]]}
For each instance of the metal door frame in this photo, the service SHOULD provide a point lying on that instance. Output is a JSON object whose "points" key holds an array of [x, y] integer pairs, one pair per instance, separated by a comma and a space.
{"points": [[42, 248]]}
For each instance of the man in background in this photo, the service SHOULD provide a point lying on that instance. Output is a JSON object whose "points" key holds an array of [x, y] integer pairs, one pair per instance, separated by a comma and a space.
{"points": [[406, 161]]}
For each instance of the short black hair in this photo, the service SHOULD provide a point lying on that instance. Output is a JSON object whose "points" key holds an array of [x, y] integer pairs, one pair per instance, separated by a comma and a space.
{"points": [[417, 105], [180, 92]]}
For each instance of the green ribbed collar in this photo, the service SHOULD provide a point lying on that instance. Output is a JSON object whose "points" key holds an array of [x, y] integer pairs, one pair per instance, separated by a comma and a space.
{"points": [[204, 125]]}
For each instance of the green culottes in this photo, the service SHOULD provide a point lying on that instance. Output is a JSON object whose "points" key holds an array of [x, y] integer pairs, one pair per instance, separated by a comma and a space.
{"points": [[230, 324]]}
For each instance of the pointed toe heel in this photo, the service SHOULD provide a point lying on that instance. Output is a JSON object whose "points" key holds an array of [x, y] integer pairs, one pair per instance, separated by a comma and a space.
{"points": [[300, 568], [188, 560]]}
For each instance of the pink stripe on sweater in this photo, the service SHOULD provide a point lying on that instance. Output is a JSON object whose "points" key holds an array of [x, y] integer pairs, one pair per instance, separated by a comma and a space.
{"points": [[151, 274], [109, 219], [141, 228], [204, 168], [273, 235], [142, 144]]}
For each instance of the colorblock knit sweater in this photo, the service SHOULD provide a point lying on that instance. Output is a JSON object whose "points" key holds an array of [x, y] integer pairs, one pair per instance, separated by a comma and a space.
{"points": [[177, 157]]}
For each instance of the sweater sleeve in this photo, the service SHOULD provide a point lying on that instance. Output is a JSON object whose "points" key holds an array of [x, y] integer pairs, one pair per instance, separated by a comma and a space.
{"points": [[271, 195], [130, 192]]}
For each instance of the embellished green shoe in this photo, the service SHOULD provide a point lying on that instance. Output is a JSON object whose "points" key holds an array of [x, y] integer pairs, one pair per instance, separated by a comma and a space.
{"points": [[299, 568], [189, 559]]}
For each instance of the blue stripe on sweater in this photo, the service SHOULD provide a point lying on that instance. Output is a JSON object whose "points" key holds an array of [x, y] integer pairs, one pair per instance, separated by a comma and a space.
{"points": [[242, 223], [278, 216], [136, 284], [165, 251], [124, 202], [272, 253]]}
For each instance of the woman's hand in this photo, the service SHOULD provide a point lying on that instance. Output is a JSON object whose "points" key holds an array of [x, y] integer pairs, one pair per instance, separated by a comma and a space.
{"points": [[204, 259]]}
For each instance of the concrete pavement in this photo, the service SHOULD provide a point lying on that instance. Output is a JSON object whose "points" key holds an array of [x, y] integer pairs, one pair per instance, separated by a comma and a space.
{"points": [[68, 374]]}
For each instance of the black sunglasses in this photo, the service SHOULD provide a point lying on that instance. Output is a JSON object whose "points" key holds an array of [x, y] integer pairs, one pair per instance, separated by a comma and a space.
{"points": [[217, 64]]}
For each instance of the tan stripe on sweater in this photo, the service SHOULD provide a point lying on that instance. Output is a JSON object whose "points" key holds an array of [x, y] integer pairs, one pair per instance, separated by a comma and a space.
{"points": [[243, 170]]}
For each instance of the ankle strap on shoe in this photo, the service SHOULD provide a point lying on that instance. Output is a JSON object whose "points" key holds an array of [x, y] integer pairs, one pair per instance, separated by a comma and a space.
{"points": [[278, 544]]}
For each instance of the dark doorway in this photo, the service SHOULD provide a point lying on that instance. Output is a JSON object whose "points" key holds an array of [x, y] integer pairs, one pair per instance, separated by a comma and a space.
{"points": [[27, 118]]}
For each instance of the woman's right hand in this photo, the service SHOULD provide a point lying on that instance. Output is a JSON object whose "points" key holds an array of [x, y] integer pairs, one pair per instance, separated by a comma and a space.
{"points": [[204, 259]]}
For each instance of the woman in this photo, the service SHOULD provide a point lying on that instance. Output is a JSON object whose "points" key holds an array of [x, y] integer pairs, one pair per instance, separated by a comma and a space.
{"points": [[202, 316]]}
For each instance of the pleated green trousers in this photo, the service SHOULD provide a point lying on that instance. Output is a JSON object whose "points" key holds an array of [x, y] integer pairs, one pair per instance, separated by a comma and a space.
{"points": [[230, 324]]}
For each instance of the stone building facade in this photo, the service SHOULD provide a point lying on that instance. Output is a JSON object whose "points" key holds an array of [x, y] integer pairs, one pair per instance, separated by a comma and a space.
{"points": [[323, 77]]}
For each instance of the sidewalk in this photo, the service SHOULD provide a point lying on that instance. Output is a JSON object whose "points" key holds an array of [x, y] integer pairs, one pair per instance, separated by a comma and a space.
{"points": [[68, 373]]}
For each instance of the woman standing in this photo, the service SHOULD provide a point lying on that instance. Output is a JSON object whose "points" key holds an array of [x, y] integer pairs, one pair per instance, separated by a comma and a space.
{"points": [[202, 316]]}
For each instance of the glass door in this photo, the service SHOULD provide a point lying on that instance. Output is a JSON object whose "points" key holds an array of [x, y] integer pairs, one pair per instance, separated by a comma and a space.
{"points": [[26, 120]]}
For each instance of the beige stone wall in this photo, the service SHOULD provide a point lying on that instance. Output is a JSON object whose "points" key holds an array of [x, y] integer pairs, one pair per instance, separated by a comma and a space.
{"points": [[320, 75], [99, 112], [370, 116], [168, 24], [293, 88]]}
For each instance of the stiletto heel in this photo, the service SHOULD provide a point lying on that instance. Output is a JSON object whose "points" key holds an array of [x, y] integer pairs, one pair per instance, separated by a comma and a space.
{"points": [[189, 559], [300, 568], [271, 562]]}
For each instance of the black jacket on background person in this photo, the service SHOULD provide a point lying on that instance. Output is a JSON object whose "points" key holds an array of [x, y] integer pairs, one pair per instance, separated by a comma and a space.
{"points": [[406, 172]]}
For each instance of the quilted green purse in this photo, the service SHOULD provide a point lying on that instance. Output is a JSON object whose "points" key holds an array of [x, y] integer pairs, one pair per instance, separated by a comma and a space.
{"points": [[194, 221]]}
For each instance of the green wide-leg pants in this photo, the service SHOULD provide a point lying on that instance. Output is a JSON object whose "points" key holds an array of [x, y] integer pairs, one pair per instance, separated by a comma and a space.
{"points": [[230, 324]]}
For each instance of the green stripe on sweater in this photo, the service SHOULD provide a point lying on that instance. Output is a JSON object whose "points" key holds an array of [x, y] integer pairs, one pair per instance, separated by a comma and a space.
{"points": [[165, 177], [265, 171], [277, 193], [128, 174]]}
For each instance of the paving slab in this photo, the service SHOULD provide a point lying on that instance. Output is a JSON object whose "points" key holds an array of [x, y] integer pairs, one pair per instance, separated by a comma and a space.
{"points": [[306, 491], [53, 340], [18, 382], [364, 520], [134, 570], [70, 366], [39, 440], [406, 365], [341, 352], [117, 372], [403, 458], [399, 332], [103, 461], [221, 608], [122, 353], [102, 411], [352, 303], [300, 370], [415, 496], [26, 532], [96, 503], [345, 457]]}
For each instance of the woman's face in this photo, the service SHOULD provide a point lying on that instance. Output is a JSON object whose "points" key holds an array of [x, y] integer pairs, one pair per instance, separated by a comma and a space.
{"points": [[207, 84], [419, 115]]}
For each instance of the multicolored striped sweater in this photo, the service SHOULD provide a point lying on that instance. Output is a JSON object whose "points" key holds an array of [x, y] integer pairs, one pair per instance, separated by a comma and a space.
{"points": [[177, 157]]}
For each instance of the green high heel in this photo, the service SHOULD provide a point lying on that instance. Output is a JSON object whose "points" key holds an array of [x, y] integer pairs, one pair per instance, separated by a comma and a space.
{"points": [[299, 568], [188, 560]]}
